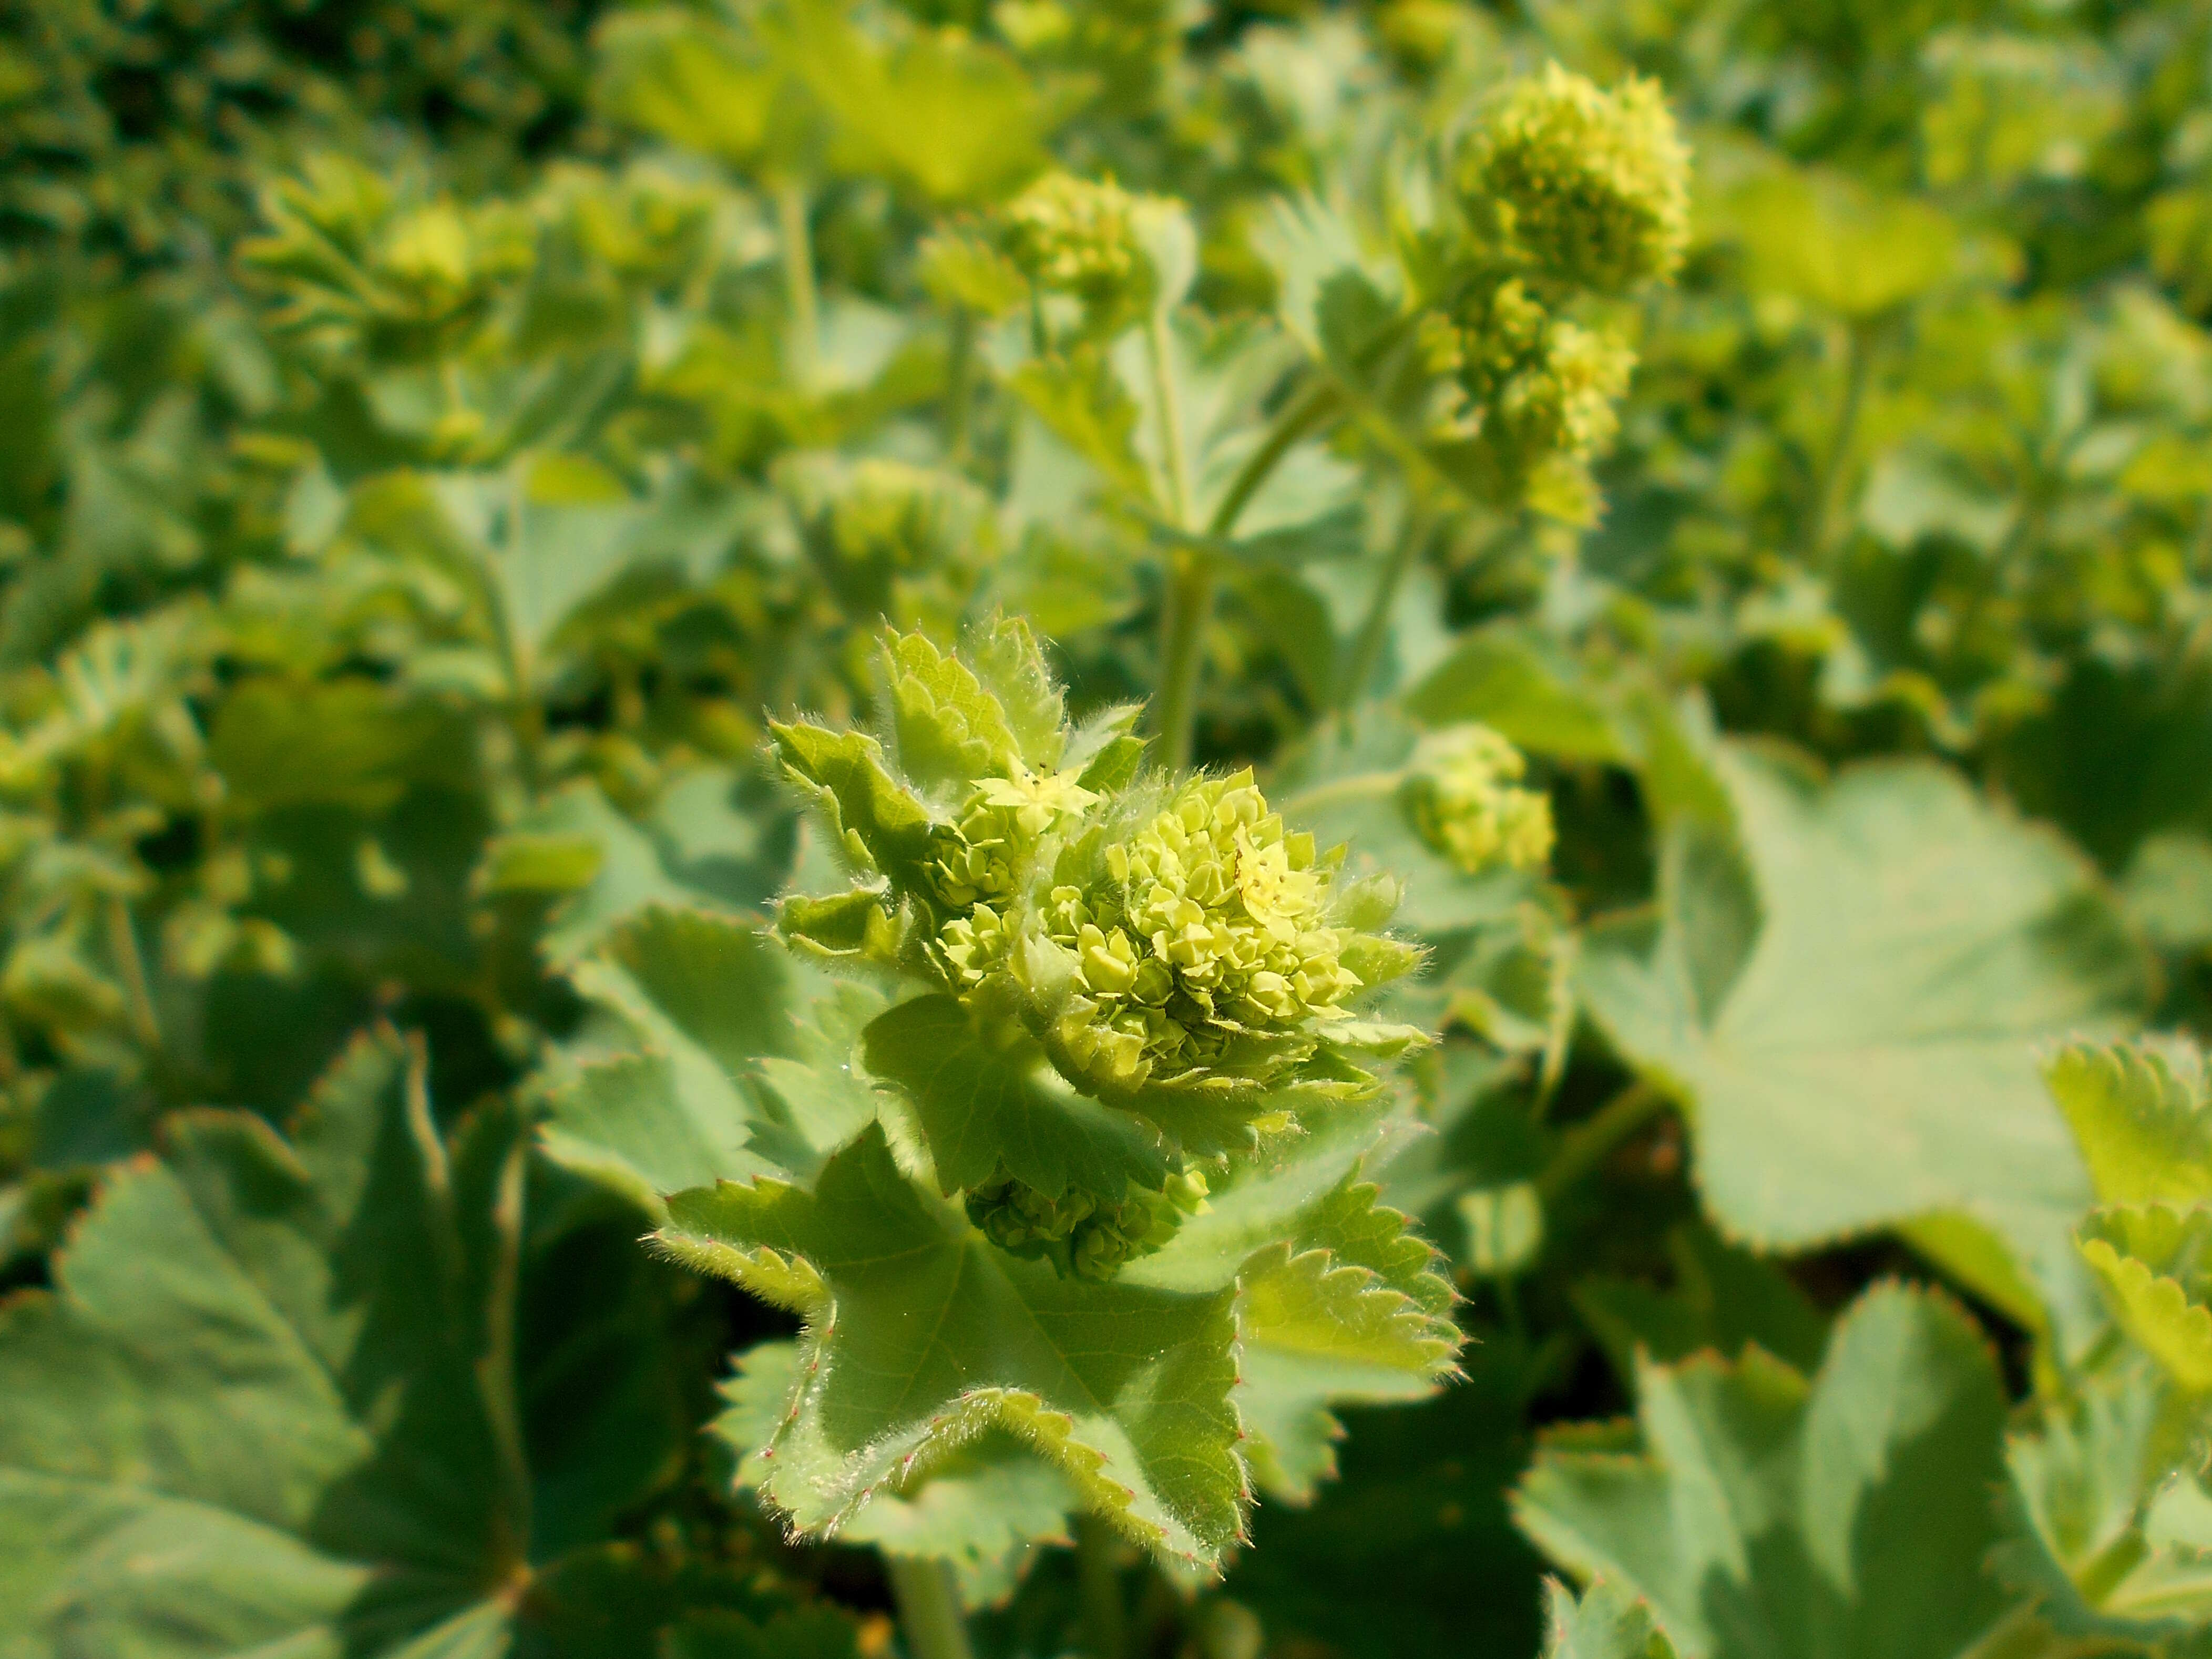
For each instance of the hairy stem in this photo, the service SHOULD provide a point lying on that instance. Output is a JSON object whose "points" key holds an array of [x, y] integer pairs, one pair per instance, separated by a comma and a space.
{"points": [[1098, 1582], [802, 309], [1584, 1146], [1189, 609], [928, 1607]]}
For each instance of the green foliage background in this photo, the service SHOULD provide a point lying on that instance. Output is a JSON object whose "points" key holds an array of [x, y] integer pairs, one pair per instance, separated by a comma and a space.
{"points": [[437, 438]]}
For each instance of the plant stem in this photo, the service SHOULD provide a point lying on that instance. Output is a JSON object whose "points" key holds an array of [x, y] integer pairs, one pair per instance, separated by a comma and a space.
{"points": [[1190, 609], [1098, 1587], [802, 309], [1190, 584], [1858, 357], [1190, 571], [928, 1607], [1374, 628], [1584, 1146], [528, 713], [496, 1364], [1295, 422]]}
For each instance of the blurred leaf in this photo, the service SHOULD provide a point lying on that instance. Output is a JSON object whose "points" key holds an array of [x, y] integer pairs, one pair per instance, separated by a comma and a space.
{"points": [[1723, 1298], [1824, 238], [1762, 1514], [954, 117], [1858, 1052], [1604, 1624]]}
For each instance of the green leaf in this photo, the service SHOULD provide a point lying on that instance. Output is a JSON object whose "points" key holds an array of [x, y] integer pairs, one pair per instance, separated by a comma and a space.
{"points": [[736, 1059], [1850, 1021], [1605, 1623], [2141, 1118], [983, 1507], [1008, 661], [947, 729], [1316, 1330], [981, 1106], [871, 815], [676, 75], [1339, 1300], [540, 559], [267, 1406], [1766, 1515], [852, 926], [1826, 238], [2091, 1513], [370, 746], [2169, 889], [922, 1335], [952, 116], [2155, 1264], [607, 868], [1083, 403], [1506, 678]]}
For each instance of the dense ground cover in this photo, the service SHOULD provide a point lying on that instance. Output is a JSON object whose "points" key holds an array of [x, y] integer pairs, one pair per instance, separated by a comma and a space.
{"points": [[1317, 808]]}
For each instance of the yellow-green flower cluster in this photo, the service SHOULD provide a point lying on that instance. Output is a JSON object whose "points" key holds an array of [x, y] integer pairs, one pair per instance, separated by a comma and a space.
{"points": [[1464, 795], [1086, 1236], [1209, 942], [1078, 237], [1592, 186], [1544, 385], [983, 858]]}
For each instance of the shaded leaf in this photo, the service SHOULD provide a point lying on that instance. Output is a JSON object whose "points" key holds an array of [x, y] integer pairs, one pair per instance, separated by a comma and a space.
{"points": [[981, 1107], [1766, 1515]]}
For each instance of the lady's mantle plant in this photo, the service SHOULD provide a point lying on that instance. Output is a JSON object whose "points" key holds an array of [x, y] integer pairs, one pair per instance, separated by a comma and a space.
{"points": [[1131, 1057]]}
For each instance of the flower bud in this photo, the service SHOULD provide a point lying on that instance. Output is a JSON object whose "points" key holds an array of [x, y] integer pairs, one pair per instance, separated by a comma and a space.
{"points": [[1078, 1233], [1462, 796]]}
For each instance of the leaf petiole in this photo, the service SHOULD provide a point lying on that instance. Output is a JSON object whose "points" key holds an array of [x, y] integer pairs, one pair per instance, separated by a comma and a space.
{"points": [[928, 1607]]}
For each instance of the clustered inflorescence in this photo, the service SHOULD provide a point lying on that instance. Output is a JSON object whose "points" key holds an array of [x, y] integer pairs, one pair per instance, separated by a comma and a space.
{"points": [[1171, 950], [1569, 194], [1463, 791], [1082, 239], [1073, 236], [1190, 940], [1088, 1237]]}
